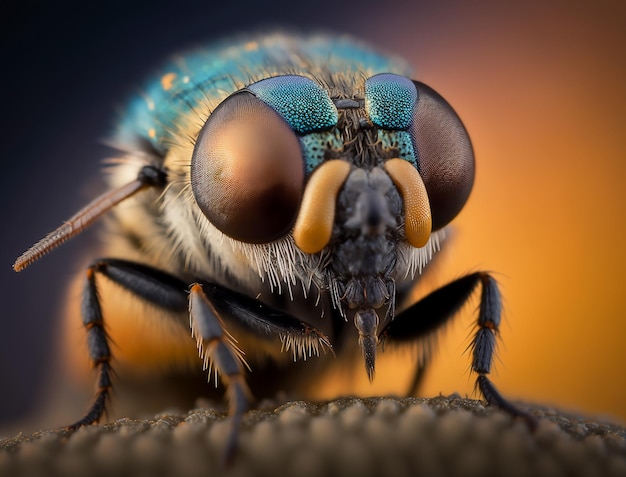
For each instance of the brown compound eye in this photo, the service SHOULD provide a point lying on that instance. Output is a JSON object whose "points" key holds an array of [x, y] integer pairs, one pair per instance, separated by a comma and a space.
{"points": [[247, 170], [445, 156]]}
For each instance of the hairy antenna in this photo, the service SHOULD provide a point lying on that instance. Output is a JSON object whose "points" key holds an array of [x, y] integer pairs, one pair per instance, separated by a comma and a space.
{"points": [[148, 176]]}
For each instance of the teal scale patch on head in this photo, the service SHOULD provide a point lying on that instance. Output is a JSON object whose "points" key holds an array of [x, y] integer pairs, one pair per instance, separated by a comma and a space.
{"points": [[400, 142], [315, 146], [300, 101], [194, 83], [390, 100]]}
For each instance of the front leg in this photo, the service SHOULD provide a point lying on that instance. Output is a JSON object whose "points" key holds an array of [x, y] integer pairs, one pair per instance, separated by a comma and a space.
{"points": [[421, 320], [219, 352]]}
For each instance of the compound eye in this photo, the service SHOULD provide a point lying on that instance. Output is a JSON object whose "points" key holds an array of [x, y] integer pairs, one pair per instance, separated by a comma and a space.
{"points": [[247, 170], [445, 155]]}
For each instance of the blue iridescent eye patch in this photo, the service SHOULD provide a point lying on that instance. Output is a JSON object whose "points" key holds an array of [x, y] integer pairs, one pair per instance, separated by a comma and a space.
{"points": [[390, 101], [300, 101]]}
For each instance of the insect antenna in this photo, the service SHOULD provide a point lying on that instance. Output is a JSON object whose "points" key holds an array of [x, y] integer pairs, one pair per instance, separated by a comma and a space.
{"points": [[148, 176]]}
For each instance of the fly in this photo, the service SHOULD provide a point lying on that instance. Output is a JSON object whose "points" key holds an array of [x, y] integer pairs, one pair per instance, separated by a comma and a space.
{"points": [[282, 193]]}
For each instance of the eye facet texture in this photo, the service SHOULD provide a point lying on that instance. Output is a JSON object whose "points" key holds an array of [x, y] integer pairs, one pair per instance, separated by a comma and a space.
{"points": [[247, 171], [444, 155]]}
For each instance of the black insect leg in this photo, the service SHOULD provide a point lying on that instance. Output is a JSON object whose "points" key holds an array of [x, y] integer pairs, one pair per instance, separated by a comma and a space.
{"points": [[265, 322], [99, 351], [484, 345], [422, 319], [147, 283], [219, 351], [213, 308]]}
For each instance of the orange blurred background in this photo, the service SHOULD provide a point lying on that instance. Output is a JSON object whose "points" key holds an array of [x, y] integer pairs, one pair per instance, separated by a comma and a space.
{"points": [[539, 85]]}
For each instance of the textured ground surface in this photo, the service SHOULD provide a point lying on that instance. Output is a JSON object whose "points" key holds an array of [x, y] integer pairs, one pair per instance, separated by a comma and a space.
{"points": [[364, 437]]}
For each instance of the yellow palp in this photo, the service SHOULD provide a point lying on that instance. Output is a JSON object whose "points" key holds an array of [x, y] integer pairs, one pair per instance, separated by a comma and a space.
{"points": [[418, 219], [314, 224]]}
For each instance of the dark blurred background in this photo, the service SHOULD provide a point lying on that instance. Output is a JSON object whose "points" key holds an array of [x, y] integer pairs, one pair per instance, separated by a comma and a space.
{"points": [[540, 86]]}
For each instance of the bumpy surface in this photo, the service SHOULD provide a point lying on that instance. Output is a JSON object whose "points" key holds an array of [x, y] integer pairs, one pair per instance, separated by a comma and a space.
{"points": [[364, 437]]}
